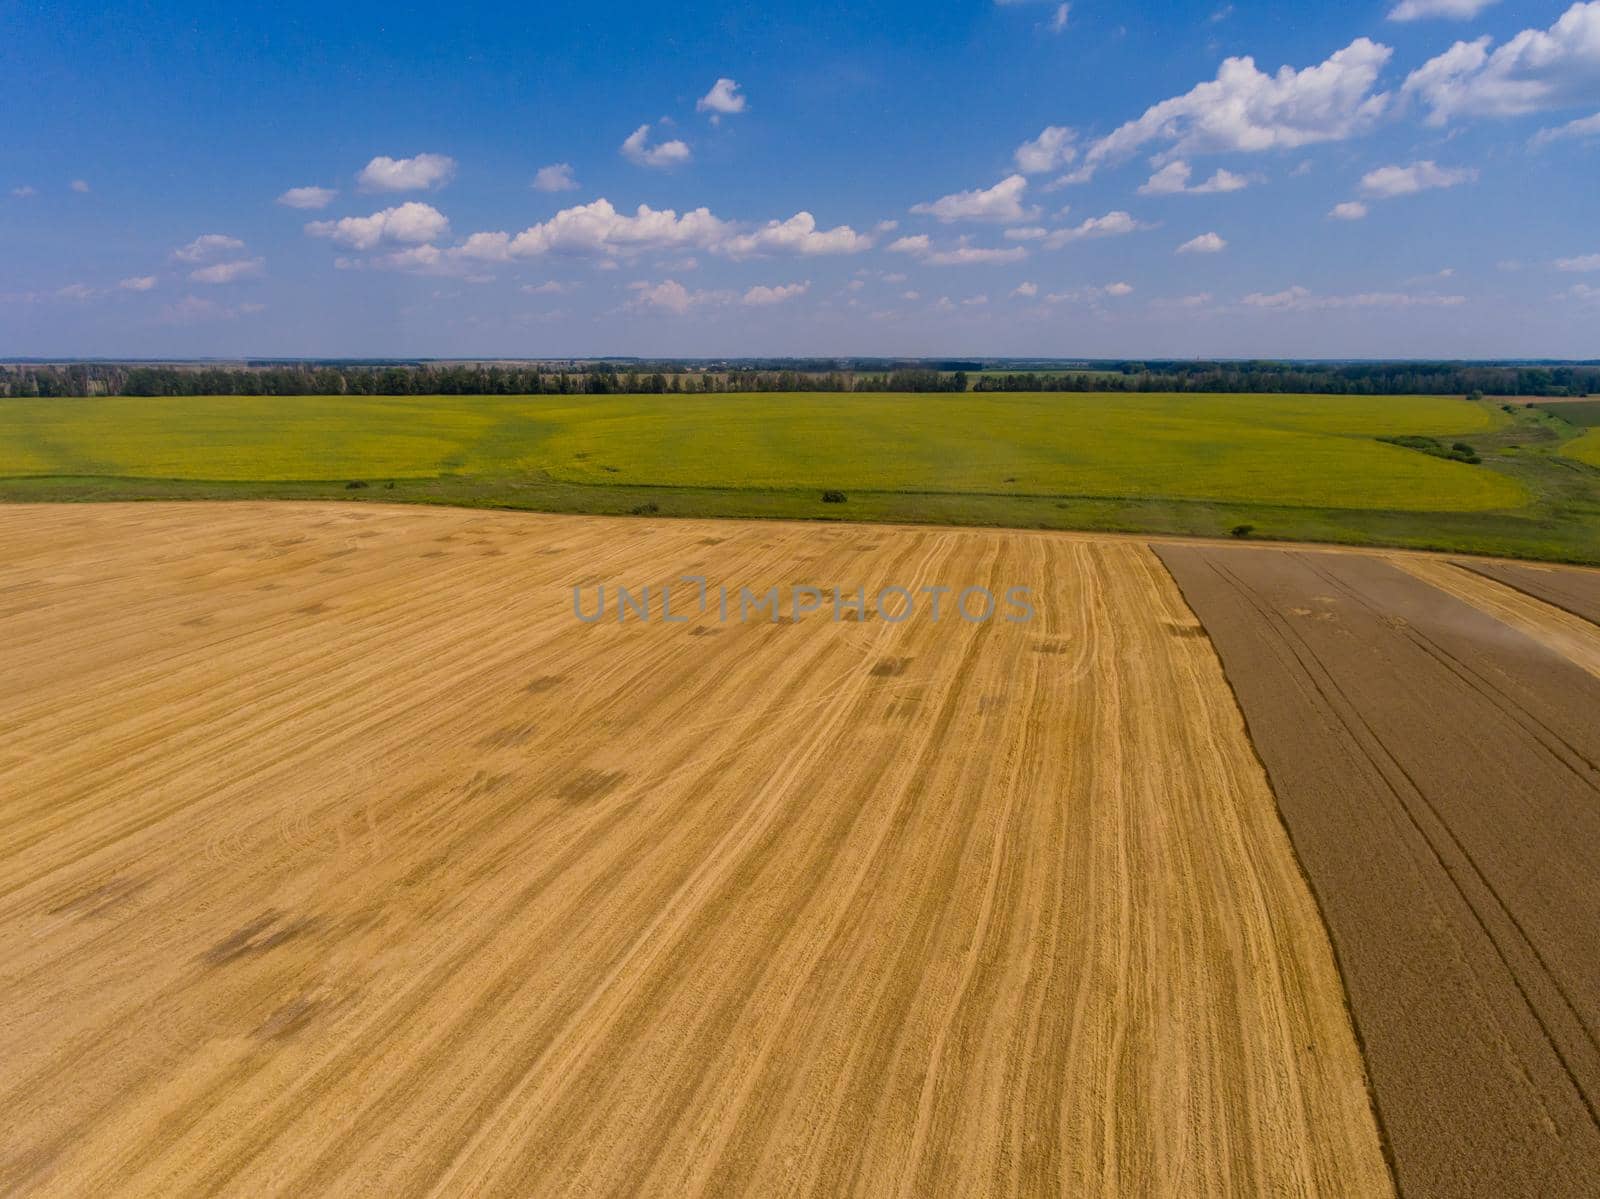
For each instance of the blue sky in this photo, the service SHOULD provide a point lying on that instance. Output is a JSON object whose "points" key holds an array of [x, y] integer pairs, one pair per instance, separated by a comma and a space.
{"points": [[1407, 178]]}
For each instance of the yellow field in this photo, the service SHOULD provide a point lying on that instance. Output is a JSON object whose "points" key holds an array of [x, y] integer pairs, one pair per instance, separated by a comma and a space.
{"points": [[336, 855]]}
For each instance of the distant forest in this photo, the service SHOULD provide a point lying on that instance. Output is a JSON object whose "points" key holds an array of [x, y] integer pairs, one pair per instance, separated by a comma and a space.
{"points": [[603, 378]]}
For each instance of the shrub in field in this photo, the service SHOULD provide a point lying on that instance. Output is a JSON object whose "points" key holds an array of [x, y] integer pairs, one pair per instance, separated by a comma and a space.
{"points": [[833, 497], [1241, 531], [354, 485], [649, 509]]}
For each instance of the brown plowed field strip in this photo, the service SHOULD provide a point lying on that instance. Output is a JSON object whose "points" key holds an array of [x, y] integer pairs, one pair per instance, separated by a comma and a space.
{"points": [[1574, 591], [337, 856], [1440, 774]]}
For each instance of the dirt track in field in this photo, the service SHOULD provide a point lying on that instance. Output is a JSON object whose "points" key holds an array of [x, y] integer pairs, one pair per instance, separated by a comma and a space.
{"points": [[337, 856], [1574, 591], [1440, 774]]}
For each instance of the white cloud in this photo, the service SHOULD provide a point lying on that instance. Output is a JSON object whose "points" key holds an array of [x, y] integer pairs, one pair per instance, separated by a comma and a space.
{"points": [[1245, 110], [762, 296], [1001, 203], [965, 255], [227, 272], [666, 296], [1089, 293], [961, 254], [722, 100], [548, 288], [79, 292], [422, 173], [1026, 289], [1173, 180], [24, 191], [1301, 299], [307, 197], [597, 229], [557, 177], [912, 296], [424, 259], [1050, 151], [138, 283], [1390, 181], [1206, 243], [1536, 70], [1348, 210], [207, 246], [1582, 127], [797, 235], [637, 150], [1582, 291], [1026, 233], [1058, 19], [411, 222], [1420, 10], [79, 185], [1584, 262], [1113, 224]]}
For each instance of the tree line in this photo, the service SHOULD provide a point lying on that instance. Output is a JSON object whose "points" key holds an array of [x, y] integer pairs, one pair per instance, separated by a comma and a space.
{"points": [[1391, 378]]}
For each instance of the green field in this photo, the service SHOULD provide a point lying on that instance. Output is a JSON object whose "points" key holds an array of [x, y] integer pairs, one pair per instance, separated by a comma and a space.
{"points": [[1586, 448], [1303, 467]]}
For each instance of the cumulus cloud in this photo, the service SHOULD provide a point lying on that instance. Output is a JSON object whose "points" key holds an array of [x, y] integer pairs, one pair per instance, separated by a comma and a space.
{"points": [[797, 235], [1302, 299], [1580, 128], [1112, 224], [598, 230], [922, 248], [307, 197], [411, 222], [79, 185], [1584, 262], [1001, 203], [208, 246], [1026, 290], [722, 100], [1390, 181], [1421, 10], [1026, 233], [24, 191], [138, 283], [557, 177], [1173, 180], [1206, 243], [227, 272], [671, 296], [422, 173], [1582, 291], [1119, 289], [759, 297], [1349, 210], [1538, 69], [636, 148], [1246, 110], [1050, 151]]}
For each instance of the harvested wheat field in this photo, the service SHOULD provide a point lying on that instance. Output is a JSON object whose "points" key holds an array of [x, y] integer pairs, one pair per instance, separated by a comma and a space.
{"points": [[1574, 591], [1439, 771], [337, 855]]}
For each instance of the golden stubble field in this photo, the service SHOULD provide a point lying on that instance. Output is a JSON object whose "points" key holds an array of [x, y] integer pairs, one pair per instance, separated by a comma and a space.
{"points": [[337, 856]]}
